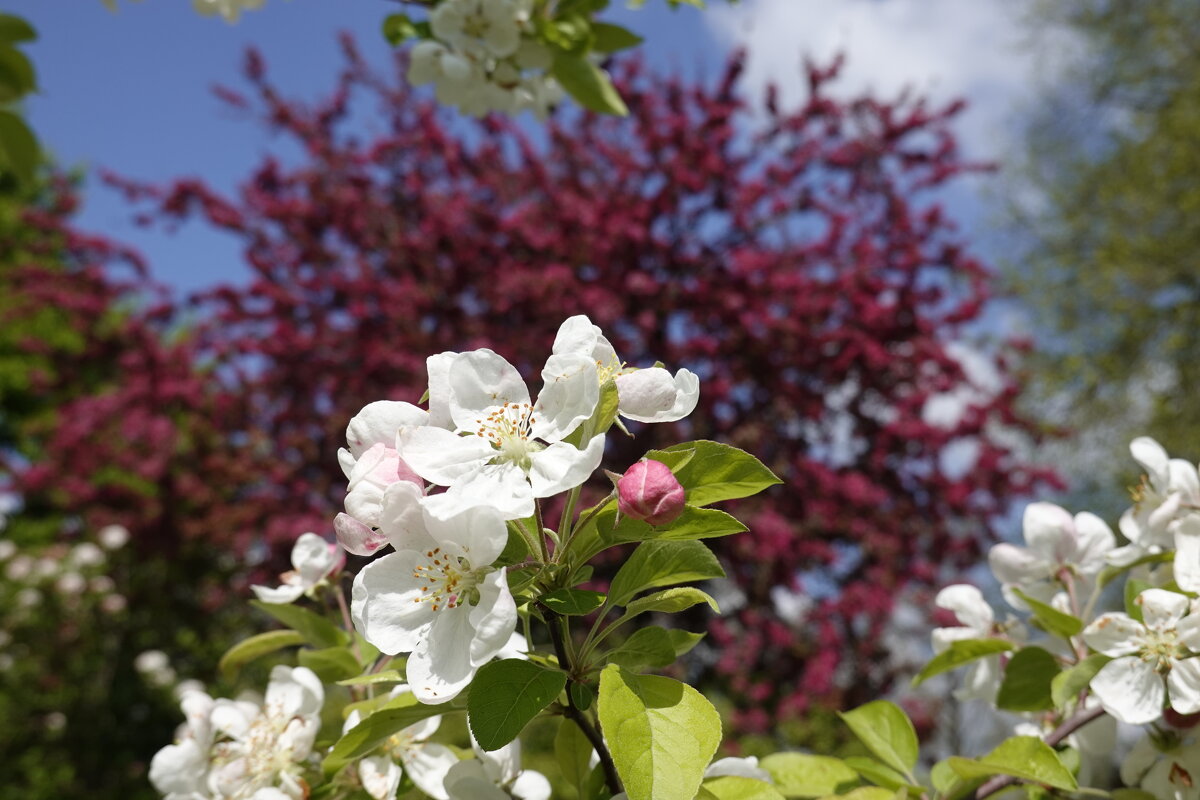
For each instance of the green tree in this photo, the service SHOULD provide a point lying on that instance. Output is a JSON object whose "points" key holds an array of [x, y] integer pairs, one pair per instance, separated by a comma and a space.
{"points": [[1112, 224]]}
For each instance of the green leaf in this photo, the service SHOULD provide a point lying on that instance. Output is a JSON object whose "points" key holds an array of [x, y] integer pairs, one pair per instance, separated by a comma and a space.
{"points": [[683, 641], [17, 77], [255, 647], [872, 793], [655, 564], [662, 733], [316, 630], [887, 732], [1131, 794], [611, 38], [602, 418], [1027, 678], [647, 647], [670, 601], [1133, 588], [399, 28], [959, 653], [944, 777], [1050, 619], [505, 695], [1070, 682], [394, 716], [733, 787], [582, 695], [573, 602], [692, 523], [574, 752], [372, 678], [804, 775], [331, 664], [588, 84], [711, 472], [14, 29], [877, 773], [19, 151], [1024, 757]]}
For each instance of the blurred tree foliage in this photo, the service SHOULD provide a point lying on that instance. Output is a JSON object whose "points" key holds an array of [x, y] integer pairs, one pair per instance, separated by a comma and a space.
{"points": [[1113, 221]]}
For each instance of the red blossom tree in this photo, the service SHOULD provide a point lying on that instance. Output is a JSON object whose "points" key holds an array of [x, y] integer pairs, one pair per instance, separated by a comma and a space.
{"points": [[796, 259]]}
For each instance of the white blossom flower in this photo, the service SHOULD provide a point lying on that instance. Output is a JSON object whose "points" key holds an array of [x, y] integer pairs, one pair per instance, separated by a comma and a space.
{"points": [[86, 554], [1168, 488], [230, 10], [1057, 542], [505, 451], [738, 767], [113, 537], [645, 395], [370, 461], [1168, 771], [496, 776], [313, 559], [426, 763], [440, 598], [977, 622], [262, 753], [180, 770], [8, 548], [1131, 687], [480, 27]]}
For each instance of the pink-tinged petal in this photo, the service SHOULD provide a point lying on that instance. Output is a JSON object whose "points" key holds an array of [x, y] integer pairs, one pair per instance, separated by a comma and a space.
{"points": [[477, 530], [442, 457], [561, 467], [1161, 610], [494, 618], [380, 777], [428, 765], [1152, 458], [356, 537], [400, 517], [1016, 565], [1049, 531], [1130, 689], [1187, 553], [480, 380], [530, 785], [1094, 541], [652, 395], [968, 605], [1183, 686], [570, 391], [503, 487], [438, 367], [440, 665], [387, 607], [1114, 634], [379, 422]]}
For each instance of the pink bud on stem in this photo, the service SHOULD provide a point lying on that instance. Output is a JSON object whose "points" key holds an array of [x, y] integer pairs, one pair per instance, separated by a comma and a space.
{"points": [[648, 491]]}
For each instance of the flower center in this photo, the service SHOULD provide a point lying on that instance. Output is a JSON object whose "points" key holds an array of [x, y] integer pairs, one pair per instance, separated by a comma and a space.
{"points": [[509, 429], [605, 372], [262, 751], [447, 581], [1161, 648]]}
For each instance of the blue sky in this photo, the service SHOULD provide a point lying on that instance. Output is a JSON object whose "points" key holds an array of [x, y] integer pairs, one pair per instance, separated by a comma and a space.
{"points": [[130, 91]]}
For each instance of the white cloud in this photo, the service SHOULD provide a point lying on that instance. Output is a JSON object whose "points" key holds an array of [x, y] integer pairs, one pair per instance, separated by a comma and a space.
{"points": [[943, 49]]}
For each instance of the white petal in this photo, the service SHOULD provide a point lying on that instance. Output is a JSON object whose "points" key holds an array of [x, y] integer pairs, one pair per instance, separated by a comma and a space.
{"points": [[1183, 686], [438, 367], [944, 637], [968, 605], [1114, 634], [561, 467], [1152, 457], [440, 665], [441, 457], [380, 776], [503, 487], [1016, 565], [313, 558], [1187, 553], [1130, 689], [379, 422], [346, 461], [494, 618], [652, 395], [466, 780], [1095, 540], [738, 767], [1047, 528], [428, 765], [570, 391], [1183, 479], [530, 785], [478, 530], [1138, 762], [385, 607], [1188, 631], [1161, 610], [480, 380], [288, 593], [577, 335], [400, 517], [179, 768]]}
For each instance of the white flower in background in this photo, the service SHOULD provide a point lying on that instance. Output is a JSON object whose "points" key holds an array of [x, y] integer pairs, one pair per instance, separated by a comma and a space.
{"points": [[480, 28], [155, 667], [1168, 774], [86, 554], [496, 776], [1131, 687], [737, 767], [28, 598], [70, 583], [1057, 542], [230, 10], [113, 537], [180, 770], [441, 599], [19, 568], [426, 763], [505, 451], [313, 559], [645, 395], [1169, 487], [977, 622], [8, 549], [265, 746], [370, 461]]}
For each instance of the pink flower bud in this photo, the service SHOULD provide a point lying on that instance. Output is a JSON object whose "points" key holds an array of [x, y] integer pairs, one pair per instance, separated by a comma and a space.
{"points": [[648, 491]]}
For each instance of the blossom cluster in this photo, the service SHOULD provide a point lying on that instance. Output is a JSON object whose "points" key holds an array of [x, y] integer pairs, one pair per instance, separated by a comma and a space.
{"points": [[1141, 666]]}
